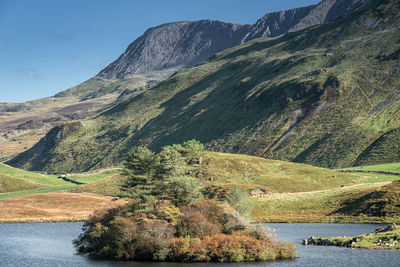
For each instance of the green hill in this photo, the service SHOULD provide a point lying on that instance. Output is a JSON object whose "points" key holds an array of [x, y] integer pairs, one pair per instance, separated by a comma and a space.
{"points": [[319, 96], [376, 199], [284, 191], [110, 186], [385, 149], [16, 182], [220, 172], [390, 167], [12, 184], [37, 178], [383, 202]]}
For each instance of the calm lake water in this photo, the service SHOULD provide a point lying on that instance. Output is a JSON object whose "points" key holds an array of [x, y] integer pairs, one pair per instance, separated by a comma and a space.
{"points": [[49, 244]]}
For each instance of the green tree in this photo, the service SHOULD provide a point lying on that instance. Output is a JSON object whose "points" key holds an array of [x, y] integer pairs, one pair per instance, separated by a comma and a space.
{"points": [[141, 167], [172, 162], [182, 190], [142, 162], [238, 199], [193, 150]]}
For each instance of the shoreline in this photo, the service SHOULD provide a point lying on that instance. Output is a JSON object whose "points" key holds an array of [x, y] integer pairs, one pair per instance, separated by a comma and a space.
{"points": [[51, 220]]}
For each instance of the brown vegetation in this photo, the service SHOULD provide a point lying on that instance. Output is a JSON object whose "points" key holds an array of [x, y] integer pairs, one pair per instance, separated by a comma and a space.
{"points": [[54, 207]]}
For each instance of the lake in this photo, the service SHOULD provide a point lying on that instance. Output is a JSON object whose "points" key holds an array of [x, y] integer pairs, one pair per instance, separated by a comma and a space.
{"points": [[49, 244]]}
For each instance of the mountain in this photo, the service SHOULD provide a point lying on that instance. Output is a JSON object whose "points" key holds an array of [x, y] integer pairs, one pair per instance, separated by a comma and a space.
{"points": [[175, 45], [149, 59], [185, 44], [321, 95]]}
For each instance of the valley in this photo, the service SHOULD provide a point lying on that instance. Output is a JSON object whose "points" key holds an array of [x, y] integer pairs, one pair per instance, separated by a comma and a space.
{"points": [[288, 98], [279, 191], [23, 124], [202, 132]]}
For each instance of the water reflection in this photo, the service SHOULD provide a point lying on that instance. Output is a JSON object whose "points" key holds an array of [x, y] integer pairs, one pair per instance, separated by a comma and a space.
{"points": [[49, 244]]}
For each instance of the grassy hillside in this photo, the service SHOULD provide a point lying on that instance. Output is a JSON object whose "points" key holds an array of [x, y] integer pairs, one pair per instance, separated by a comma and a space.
{"points": [[383, 202], [16, 182], [385, 149], [320, 96], [23, 124], [317, 206], [375, 202], [11, 184], [228, 170], [110, 185], [281, 191], [390, 167], [221, 172], [41, 179], [289, 192]]}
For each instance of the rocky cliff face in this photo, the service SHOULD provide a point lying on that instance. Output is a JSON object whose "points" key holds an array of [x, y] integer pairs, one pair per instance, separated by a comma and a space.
{"points": [[184, 44], [277, 23], [175, 45], [329, 10]]}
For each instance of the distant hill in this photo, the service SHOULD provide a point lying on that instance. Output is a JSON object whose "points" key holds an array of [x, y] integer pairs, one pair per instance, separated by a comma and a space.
{"points": [[23, 124], [321, 95]]}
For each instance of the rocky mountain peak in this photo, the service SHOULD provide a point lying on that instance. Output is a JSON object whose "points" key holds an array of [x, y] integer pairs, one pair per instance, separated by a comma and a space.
{"points": [[184, 44], [175, 45], [329, 10]]}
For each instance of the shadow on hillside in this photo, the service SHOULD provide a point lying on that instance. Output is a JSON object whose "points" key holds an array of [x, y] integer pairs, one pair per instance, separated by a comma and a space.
{"points": [[357, 206], [221, 104]]}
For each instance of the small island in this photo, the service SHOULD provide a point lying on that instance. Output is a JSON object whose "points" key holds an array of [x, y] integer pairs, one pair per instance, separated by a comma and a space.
{"points": [[381, 238], [168, 218]]}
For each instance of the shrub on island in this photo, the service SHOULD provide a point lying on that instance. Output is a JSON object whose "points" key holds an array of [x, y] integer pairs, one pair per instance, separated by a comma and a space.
{"points": [[169, 220]]}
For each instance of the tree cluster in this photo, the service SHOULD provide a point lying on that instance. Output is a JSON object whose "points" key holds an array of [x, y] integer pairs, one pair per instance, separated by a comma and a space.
{"points": [[168, 219], [165, 176]]}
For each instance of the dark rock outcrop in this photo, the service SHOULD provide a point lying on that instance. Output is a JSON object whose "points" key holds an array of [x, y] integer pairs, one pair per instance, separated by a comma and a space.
{"points": [[329, 10], [175, 45], [184, 44]]}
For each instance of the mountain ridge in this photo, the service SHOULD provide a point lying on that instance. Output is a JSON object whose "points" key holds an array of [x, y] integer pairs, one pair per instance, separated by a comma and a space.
{"points": [[321, 95], [185, 44], [23, 124]]}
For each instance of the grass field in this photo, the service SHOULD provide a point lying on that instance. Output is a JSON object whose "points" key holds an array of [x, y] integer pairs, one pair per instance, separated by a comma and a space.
{"points": [[12, 184], [110, 185], [88, 178], [41, 179], [33, 197], [390, 167], [250, 172], [53, 189], [16, 182], [228, 170], [318, 206], [54, 207], [295, 192]]}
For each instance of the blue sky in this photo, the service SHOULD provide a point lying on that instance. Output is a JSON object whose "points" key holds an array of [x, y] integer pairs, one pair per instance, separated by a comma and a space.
{"points": [[47, 46]]}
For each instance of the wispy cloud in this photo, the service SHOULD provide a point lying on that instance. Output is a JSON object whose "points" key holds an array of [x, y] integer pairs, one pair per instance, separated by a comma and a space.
{"points": [[30, 73], [61, 36], [74, 58], [1, 46]]}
